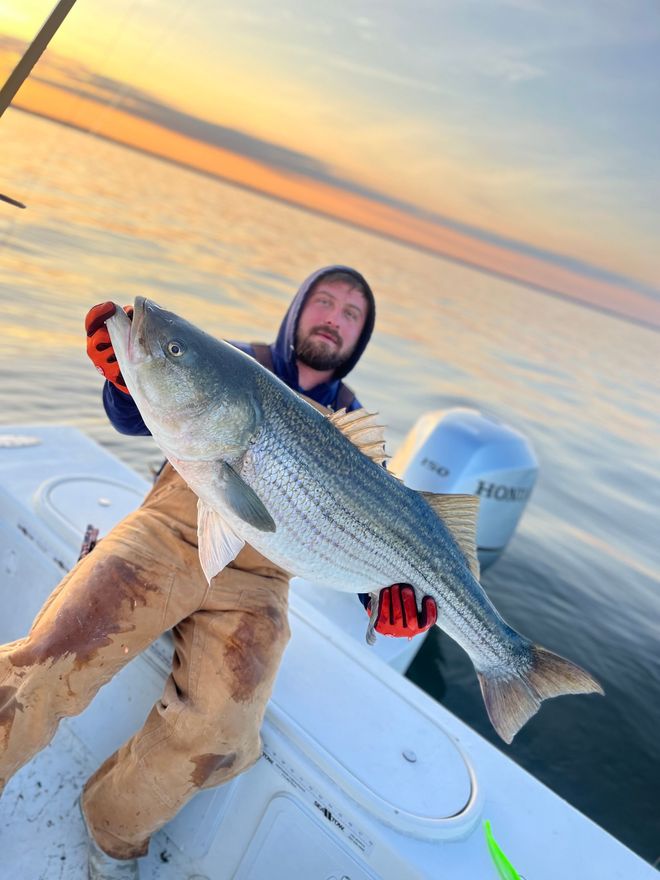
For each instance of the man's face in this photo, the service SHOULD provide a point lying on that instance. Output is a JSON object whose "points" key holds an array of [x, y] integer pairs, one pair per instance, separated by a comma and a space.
{"points": [[330, 324]]}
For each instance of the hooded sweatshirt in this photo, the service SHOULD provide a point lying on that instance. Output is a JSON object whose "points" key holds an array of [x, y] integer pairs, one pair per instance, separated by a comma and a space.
{"points": [[125, 416]]}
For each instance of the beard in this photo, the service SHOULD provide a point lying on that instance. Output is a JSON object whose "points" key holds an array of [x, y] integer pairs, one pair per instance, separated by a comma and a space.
{"points": [[320, 355]]}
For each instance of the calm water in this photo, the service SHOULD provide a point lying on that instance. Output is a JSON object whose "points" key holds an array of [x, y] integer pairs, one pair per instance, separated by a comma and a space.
{"points": [[580, 575]]}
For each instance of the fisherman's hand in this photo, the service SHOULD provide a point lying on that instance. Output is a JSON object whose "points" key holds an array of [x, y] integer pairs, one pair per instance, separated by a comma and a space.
{"points": [[99, 347], [398, 614]]}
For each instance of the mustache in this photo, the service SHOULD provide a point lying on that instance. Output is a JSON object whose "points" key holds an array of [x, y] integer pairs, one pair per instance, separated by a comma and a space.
{"points": [[328, 331]]}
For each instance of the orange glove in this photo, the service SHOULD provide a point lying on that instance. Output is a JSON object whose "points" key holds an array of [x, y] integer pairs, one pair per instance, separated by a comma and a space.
{"points": [[398, 615], [99, 347]]}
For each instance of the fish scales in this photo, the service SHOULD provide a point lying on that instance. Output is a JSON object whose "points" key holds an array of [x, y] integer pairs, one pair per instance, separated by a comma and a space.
{"points": [[369, 552], [401, 531], [328, 495], [308, 514]]}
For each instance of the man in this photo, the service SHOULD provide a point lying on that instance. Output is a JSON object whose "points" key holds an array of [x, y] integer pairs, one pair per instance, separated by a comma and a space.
{"points": [[144, 578]]}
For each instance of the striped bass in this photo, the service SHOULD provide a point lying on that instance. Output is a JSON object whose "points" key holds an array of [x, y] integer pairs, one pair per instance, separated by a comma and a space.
{"points": [[308, 491]]}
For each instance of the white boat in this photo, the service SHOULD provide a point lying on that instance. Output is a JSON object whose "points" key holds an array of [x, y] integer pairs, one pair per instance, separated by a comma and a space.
{"points": [[363, 776]]}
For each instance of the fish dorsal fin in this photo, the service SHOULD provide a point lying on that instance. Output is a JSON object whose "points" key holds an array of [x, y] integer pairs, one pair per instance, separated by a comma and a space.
{"points": [[319, 406], [459, 513], [363, 430]]}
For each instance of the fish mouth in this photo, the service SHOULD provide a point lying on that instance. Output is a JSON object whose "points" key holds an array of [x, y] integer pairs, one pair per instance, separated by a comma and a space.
{"points": [[136, 347], [142, 343]]}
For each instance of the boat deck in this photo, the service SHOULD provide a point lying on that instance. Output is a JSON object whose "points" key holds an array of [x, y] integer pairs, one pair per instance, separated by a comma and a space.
{"points": [[363, 777]]}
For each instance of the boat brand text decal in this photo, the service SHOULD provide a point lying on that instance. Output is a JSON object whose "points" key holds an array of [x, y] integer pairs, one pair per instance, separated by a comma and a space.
{"points": [[439, 469], [502, 493], [314, 798]]}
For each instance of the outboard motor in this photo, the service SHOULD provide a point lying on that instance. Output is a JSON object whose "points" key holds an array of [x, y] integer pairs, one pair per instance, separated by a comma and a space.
{"points": [[463, 451]]}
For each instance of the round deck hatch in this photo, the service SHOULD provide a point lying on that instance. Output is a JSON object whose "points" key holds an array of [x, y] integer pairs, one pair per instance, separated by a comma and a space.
{"points": [[69, 504]]}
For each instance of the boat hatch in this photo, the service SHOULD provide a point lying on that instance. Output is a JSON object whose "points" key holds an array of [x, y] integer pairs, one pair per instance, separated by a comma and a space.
{"points": [[395, 761], [69, 504]]}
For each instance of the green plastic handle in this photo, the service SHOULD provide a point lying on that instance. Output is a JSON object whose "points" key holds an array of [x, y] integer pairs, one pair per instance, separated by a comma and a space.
{"points": [[504, 867]]}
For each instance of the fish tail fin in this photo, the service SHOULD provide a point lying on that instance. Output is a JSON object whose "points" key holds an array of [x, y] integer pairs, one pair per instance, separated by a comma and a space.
{"points": [[512, 696]]}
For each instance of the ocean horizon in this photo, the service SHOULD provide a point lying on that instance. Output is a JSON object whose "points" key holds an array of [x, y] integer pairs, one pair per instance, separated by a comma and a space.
{"points": [[560, 260]]}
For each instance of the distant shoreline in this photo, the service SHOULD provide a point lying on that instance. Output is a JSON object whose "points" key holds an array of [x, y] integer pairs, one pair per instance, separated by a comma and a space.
{"points": [[549, 291]]}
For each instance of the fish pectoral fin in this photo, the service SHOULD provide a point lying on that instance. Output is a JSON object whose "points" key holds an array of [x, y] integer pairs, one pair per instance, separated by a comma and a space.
{"points": [[218, 543], [363, 430], [459, 513], [244, 501]]}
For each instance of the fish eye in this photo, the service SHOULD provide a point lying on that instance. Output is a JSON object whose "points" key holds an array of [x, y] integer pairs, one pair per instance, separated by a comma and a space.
{"points": [[175, 348]]}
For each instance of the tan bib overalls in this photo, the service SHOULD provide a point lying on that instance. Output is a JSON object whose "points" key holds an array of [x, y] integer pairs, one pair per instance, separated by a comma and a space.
{"points": [[143, 579]]}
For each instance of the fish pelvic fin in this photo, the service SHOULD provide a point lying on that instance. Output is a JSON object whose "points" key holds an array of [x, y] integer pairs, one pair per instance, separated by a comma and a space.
{"points": [[217, 542], [512, 698]]}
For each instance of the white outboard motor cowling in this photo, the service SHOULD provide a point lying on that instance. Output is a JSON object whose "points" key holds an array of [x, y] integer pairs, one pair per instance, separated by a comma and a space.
{"points": [[461, 450]]}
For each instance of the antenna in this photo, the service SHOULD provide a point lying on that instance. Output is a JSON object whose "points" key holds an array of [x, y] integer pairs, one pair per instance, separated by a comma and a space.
{"points": [[25, 64], [33, 53]]}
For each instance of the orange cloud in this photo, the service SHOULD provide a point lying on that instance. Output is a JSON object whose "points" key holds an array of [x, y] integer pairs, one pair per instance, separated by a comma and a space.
{"points": [[47, 99]]}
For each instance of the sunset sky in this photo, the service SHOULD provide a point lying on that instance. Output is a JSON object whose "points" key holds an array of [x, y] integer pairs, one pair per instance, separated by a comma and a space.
{"points": [[520, 136]]}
